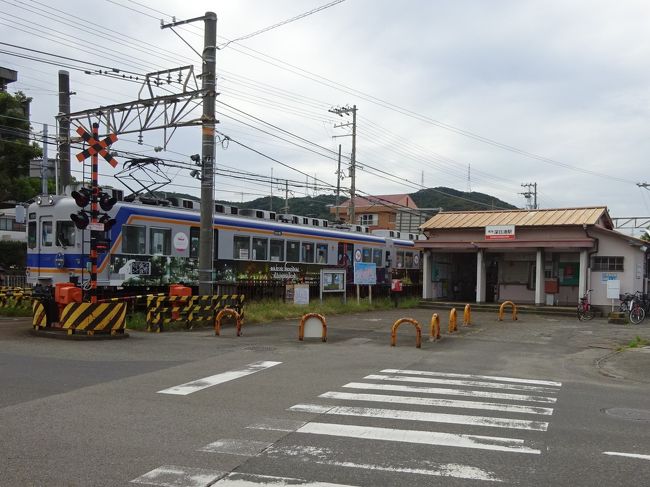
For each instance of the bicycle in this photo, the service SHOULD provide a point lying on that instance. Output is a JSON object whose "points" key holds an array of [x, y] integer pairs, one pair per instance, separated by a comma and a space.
{"points": [[637, 308], [585, 312]]}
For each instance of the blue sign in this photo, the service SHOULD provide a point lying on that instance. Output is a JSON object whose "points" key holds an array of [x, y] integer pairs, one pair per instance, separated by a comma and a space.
{"points": [[365, 273]]}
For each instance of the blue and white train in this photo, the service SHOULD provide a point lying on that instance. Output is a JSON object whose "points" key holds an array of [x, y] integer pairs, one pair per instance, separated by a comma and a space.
{"points": [[156, 242]]}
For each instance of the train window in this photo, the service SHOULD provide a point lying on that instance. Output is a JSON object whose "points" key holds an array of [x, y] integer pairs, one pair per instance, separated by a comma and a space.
{"points": [[321, 253], [46, 237], [65, 234], [307, 252], [241, 247], [376, 257], [260, 247], [195, 234], [408, 260], [160, 241], [400, 259], [293, 251], [277, 250], [31, 235], [366, 255], [133, 239]]}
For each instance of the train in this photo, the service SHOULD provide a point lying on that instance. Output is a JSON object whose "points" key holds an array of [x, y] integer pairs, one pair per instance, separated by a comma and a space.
{"points": [[154, 242]]}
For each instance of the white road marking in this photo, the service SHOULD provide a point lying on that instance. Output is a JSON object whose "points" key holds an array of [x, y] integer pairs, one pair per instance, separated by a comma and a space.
{"points": [[254, 480], [467, 383], [175, 476], [213, 380], [427, 401], [629, 455], [469, 376], [513, 445], [277, 425], [490, 422], [320, 456], [248, 448], [449, 392]]}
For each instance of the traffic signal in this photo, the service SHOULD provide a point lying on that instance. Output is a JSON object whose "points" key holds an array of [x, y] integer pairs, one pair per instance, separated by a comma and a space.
{"points": [[80, 219], [106, 202], [108, 222], [82, 197]]}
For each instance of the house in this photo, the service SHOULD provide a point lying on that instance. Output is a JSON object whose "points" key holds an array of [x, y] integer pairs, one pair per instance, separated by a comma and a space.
{"points": [[545, 257]]}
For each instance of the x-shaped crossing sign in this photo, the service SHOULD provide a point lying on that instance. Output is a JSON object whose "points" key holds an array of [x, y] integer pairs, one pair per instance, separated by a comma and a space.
{"points": [[96, 146]]}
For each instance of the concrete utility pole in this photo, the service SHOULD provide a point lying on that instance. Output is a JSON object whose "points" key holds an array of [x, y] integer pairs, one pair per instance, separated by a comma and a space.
{"points": [[531, 193], [338, 185], [340, 112], [64, 131], [44, 162], [286, 196]]}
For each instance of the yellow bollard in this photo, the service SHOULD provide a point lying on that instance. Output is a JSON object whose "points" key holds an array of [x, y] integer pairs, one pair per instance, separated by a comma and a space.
{"points": [[502, 307], [418, 331], [467, 315], [434, 333], [220, 315], [301, 327], [453, 326]]}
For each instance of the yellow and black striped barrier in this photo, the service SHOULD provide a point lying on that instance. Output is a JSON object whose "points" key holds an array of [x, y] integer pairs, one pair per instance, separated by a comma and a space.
{"points": [[91, 318], [39, 316], [163, 310]]}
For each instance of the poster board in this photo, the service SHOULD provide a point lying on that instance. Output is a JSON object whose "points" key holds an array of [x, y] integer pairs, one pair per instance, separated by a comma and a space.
{"points": [[365, 273], [613, 289], [332, 281], [301, 294]]}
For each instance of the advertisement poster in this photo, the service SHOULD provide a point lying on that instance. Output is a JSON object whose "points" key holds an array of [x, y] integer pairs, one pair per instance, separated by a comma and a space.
{"points": [[301, 294], [365, 273]]}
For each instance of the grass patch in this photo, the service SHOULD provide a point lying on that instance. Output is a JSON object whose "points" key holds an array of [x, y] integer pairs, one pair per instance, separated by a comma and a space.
{"points": [[17, 310], [636, 343], [274, 310]]}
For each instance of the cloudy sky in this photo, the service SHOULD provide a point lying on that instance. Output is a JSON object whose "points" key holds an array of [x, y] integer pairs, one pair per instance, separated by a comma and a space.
{"points": [[507, 92]]}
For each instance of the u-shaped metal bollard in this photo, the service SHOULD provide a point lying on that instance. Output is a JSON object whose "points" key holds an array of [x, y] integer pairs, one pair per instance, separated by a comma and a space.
{"points": [[229, 312], [301, 328], [418, 331], [502, 307]]}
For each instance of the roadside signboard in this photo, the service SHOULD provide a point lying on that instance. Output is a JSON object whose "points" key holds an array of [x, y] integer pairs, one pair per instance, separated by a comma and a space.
{"points": [[365, 273], [500, 232]]}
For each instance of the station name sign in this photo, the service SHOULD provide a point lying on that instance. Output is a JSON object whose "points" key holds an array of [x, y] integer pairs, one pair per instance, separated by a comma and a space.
{"points": [[500, 232]]}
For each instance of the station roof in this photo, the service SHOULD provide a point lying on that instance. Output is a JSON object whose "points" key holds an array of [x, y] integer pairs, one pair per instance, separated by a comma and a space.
{"points": [[592, 215]]}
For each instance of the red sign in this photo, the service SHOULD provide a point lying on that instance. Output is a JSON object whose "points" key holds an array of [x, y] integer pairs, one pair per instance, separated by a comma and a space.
{"points": [[96, 147]]}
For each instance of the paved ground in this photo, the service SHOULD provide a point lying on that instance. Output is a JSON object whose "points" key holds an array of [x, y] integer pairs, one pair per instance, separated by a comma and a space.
{"points": [[191, 409]]}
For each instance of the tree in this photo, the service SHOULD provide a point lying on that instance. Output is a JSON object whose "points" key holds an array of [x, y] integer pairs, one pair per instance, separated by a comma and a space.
{"points": [[15, 149]]}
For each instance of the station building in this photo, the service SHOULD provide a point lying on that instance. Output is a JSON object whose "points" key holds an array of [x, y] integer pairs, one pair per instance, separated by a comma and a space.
{"points": [[542, 257]]}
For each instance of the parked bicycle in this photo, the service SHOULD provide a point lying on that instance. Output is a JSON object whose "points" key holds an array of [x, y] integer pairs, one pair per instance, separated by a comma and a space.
{"points": [[638, 307], [585, 311]]}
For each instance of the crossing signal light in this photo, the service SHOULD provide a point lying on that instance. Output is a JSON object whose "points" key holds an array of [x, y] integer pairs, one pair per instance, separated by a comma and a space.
{"points": [[80, 219], [106, 202], [82, 197], [108, 222], [102, 244]]}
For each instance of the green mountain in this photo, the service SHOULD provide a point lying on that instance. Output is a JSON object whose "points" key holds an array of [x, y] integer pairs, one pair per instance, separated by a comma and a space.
{"points": [[453, 200]]}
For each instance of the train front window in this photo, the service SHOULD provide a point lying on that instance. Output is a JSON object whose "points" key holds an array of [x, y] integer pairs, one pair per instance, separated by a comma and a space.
{"points": [[65, 234], [307, 252], [241, 247], [133, 239], [260, 246], [46, 238], [160, 241], [400, 259], [293, 251], [277, 250], [31, 235]]}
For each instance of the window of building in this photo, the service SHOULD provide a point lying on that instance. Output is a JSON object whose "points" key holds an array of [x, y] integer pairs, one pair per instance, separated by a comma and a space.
{"points": [[65, 233], [133, 239], [47, 234], [277, 250], [160, 241], [241, 247], [368, 219], [293, 251], [307, 252], [5, 224], [260, 247], [376, 257], [366, 255], [195, 235], [31, 235], [321, 253], [603, 263]]}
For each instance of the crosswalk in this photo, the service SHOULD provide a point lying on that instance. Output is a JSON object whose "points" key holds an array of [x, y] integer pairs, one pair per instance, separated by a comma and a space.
{"points": [[395, 422]]}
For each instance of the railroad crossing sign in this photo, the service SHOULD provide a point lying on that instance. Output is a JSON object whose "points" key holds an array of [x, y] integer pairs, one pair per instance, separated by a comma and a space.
{"points": [[96, 146]]}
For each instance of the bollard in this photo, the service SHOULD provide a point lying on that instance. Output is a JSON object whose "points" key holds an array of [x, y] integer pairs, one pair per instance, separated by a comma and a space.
{"points": [[514, 310], [301, 327], [418, 331], [453, 326], [467, 315], [434, 332], [221, 314]]}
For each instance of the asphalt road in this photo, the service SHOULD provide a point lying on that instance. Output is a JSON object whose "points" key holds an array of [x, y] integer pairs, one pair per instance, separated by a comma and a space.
{"points": [[537, 402]]}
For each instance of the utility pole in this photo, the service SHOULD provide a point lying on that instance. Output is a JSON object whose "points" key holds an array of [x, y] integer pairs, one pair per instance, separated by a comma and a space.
{"points": [[338, 185], [340, 111], [271, 204], [530, 193], [286, 196], [44, 162], [64, 131]]}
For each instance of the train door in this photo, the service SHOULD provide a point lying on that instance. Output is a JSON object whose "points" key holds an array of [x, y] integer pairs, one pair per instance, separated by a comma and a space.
{"points": [[45, 243]]}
